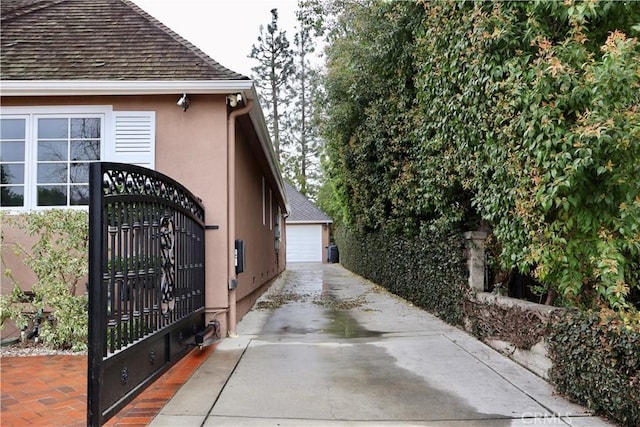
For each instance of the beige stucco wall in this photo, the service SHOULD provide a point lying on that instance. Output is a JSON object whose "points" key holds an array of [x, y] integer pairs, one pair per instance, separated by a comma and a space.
{"points": [[262, 263], [12, 261], [11, 237], [191, 147]]}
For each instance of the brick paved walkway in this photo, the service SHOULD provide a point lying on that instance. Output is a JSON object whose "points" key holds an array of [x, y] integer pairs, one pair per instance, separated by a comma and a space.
{"points": [[52, 391]]}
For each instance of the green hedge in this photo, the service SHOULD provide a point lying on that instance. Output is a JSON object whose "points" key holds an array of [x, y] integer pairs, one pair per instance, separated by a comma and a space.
{"points": [[596, 362], [428, 270]]}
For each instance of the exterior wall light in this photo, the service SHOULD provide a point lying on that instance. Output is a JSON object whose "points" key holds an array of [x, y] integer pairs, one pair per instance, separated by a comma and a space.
{"points": [[183, 102]]}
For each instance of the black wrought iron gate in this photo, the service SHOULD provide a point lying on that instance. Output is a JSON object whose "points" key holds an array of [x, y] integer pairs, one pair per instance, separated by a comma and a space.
{"points": [[146, 281]]}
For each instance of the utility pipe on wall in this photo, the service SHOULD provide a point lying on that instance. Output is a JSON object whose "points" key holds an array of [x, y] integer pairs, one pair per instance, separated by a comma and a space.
{"points": [[231, 213]]}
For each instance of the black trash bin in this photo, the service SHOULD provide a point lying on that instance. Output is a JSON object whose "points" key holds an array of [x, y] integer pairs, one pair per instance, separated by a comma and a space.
{"points": [[334, 256]]}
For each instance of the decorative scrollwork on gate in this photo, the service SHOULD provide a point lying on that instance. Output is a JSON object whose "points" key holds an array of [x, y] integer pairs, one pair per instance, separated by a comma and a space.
{"points": [[167, 244], [126, 182]]}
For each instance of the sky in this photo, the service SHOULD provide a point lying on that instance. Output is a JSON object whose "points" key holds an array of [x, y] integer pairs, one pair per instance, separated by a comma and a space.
{"points": [[223, 29]]}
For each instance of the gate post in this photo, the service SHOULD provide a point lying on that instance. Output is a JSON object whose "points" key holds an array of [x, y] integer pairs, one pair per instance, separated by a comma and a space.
{"points": [[97, 316], [476, 259]]}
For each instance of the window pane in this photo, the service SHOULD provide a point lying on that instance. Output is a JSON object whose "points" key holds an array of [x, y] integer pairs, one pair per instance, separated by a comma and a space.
{"points": [[12, 196], [52, 173], [79, 173], [52, 151], [85, 128], [85, 150], [53, 128], [79, 195], [12, 151], [52, 195], [12, 174], [12, 128]]}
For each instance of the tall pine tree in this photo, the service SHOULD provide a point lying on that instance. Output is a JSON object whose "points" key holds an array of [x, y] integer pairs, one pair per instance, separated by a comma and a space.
{"points": [[301, 138], [275, 65]]}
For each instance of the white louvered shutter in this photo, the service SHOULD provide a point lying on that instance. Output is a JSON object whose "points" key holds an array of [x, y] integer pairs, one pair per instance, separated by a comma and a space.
{"points": [[134, 138]]}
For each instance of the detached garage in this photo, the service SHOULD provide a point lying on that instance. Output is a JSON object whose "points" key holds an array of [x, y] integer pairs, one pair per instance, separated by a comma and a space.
{"points": [[307, 229]]}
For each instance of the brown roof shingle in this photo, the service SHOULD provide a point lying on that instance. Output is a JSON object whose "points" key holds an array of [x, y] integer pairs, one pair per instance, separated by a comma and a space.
{"points": [[302, 209], [96, 40]]}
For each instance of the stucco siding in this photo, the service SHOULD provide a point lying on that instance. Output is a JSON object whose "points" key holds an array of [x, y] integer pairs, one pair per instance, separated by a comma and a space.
{"points": [[256, 211]]}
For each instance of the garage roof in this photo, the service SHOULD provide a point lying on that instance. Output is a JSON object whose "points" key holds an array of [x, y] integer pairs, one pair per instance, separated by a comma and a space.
{"points": [[302, 209]]}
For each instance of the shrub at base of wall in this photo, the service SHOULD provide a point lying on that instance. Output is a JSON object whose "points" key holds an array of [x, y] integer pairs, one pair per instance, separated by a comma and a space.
{"points": [[517, 325], [59, 260]]}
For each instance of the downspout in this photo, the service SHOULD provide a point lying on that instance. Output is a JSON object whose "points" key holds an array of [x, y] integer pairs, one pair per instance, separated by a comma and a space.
{"points": [[231, 214]]}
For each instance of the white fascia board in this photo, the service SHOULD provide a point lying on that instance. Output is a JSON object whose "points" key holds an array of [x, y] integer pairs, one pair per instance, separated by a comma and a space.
{"points": [[309, 222], [123, 87]]}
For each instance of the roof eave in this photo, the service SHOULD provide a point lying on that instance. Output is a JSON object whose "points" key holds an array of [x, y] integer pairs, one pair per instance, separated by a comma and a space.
{"points": [[122, 87]]}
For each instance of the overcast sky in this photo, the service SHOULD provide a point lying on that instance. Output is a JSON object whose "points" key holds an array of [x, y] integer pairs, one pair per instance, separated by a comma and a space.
{"points": [[224, 29]]}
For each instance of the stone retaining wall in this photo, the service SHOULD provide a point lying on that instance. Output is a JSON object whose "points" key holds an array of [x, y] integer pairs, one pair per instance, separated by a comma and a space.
{"points": [[534, 359]]}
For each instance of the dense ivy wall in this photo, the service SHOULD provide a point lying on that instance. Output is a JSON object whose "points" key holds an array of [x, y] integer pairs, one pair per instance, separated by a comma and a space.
{"points": [[596, 361], [521, 117], [429, 270]]}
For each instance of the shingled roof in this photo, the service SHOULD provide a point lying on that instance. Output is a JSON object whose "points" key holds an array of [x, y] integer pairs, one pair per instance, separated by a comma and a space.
{"points": [[302, 209], [96, 40]]}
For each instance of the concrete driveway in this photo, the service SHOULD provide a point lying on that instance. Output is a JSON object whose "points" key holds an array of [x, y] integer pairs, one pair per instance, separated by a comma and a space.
{"points": [[323, 347]]}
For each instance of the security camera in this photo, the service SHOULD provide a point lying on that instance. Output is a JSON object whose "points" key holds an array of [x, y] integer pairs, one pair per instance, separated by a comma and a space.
{"points": [[233, 100], [183, 102]]}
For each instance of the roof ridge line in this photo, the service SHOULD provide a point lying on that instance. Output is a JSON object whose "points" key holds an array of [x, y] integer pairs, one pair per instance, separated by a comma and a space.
{"points": [[29, 8], [177, 37]]}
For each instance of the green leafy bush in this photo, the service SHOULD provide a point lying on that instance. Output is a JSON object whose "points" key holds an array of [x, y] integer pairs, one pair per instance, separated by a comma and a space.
{"points": [[596, 362], [428, 270], [521, 116], [12, 306], [59, 259]]}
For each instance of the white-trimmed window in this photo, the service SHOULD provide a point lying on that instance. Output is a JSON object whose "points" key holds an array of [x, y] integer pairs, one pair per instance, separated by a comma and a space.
{"points": [[45, 152], [13, 137]]}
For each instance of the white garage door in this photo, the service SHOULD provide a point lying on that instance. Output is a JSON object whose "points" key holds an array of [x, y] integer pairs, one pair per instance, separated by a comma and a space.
{"points": [[304, 243]]}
